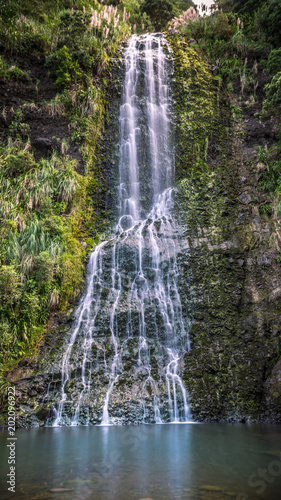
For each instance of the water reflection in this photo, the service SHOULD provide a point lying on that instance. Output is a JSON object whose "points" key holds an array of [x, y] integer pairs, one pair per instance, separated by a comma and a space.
{"points": [[168, 462]]}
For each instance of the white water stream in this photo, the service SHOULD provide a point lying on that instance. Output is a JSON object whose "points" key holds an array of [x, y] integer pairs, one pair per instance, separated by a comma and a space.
{"points": [[135, 274]]}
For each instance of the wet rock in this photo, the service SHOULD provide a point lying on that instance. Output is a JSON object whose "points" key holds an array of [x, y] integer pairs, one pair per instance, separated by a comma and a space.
{"points": [[275, 294], [226, 245], [245, 198], [23, 362], [172, 31], [126, 222], [43, 413], [140, 281], [21, 373], [211, 488], [32, 393], [256, 130], [264, 260], [43, 144]]}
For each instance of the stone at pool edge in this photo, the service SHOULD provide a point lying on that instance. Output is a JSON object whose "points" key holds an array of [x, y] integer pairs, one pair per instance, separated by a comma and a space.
{"points": [[211, 488], [61, 490]]}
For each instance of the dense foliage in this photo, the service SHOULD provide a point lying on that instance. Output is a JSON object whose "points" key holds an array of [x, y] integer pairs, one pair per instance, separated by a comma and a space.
{"points": [[242, 42], [50, 213], [42, 261], [159, 11]]}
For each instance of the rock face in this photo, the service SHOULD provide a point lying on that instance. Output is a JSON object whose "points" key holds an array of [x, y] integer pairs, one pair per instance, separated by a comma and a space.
{"points": [[115, 351], [235, 275], [122, 360], [228, 281], [272, 389]]}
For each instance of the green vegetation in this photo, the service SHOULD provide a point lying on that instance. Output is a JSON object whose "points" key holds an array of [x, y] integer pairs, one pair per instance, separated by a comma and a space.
{"points": [[231, 79], [64, 67], [50, 214], [269, 165], [273, 95], [235, 42], [42, 261], [12, 72], [159, 11], [196, 107], [241, 40], [274, 61]]}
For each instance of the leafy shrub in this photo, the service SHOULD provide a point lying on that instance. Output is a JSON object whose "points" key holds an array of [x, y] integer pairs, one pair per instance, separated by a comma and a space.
{"points": [[223, 29], [62, 64], [271, 20], [25, 36], [273, 94], [9, 9], [18, 163], [72, 25], [42, 263], [230, 68], [248, 5], [17, 74], [10, 286], [274, 61], [4, 73], [159, 11], [12, 72]]}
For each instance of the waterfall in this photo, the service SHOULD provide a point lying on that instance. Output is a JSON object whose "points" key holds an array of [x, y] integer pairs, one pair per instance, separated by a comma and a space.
{"points": [[125, 356]]}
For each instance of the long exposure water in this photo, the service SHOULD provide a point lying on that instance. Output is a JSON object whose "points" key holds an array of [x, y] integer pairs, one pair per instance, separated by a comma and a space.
{"points": [[130, 334], [124, 357], [159, 462]]}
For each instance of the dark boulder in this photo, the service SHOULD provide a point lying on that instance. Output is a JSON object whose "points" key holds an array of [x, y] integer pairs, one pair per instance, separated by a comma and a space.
{"points": [[23, 362], [43, 144], [43, 413]]}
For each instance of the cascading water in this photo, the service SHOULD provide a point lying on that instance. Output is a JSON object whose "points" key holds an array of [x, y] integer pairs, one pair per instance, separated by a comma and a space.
{"points": [[124, 359]]}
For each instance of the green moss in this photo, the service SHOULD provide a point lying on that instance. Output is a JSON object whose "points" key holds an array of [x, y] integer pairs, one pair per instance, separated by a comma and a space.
{"points": [[223, 370], [246, 237], [196, 106]]}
